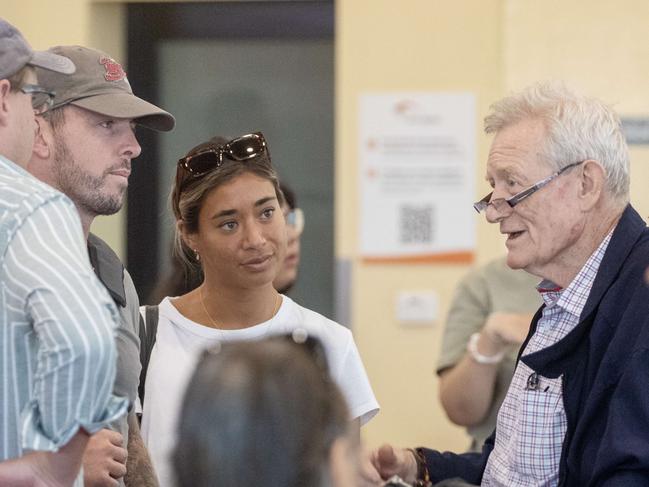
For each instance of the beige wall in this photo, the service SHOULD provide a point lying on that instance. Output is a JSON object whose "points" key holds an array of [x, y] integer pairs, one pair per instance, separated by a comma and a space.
{"points": [[488, 47]]}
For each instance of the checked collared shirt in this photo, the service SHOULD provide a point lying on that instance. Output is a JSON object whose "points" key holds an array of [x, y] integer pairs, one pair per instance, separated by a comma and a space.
{"points": [[532, 421]]}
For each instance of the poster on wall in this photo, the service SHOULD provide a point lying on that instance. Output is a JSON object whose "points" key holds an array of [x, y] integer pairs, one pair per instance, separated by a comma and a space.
{"points": [[417, 176]]}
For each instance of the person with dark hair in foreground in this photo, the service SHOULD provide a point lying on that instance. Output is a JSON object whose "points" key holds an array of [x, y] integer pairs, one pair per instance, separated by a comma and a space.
{"points": [[264, 413]]}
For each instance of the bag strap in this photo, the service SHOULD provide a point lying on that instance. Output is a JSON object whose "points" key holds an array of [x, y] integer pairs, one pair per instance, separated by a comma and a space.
{"points": [[148, 330]]}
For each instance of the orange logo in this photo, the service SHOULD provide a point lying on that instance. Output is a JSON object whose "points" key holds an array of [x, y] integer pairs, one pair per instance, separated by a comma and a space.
{"points": [[114, 71]]}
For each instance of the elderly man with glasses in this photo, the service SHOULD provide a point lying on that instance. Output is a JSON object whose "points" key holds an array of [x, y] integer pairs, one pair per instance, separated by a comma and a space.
{"points": [[57, 323], [576, 411]]}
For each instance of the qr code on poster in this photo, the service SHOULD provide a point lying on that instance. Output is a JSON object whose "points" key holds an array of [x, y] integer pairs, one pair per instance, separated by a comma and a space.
{"points": [[416, 224]]}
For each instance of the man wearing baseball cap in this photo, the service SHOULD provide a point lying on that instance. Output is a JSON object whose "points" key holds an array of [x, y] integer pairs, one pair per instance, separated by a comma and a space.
{"points": [[57, 322], [85, 147]]}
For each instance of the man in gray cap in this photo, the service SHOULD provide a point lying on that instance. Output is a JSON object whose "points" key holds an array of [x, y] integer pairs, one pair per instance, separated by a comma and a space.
{"points": [[84, 148], [57, 322]]}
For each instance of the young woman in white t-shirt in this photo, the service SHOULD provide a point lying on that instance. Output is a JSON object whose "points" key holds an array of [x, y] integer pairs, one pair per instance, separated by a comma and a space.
{"points": [[226, 200]]}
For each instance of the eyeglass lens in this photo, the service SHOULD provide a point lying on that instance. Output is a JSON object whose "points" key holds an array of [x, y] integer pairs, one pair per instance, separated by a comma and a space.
{"points": [[201, 163], [245, 147], [295, 219], [41, 98]]}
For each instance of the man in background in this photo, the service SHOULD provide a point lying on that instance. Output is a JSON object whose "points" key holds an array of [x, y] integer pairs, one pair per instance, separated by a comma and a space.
{"points": [[57, 322], [84, 149]]}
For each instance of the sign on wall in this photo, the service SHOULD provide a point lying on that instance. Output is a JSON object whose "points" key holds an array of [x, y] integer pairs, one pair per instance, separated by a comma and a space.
{"points": [[417, 176]]}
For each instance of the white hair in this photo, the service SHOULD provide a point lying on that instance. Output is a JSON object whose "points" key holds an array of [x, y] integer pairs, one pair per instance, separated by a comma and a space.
{"points": [[577, 128]]}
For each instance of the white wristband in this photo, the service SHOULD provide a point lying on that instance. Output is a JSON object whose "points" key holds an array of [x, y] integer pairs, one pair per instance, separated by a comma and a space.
{"points": [[472, 347]]}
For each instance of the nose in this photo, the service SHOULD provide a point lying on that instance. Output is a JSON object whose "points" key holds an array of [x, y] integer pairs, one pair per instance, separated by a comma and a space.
{"points": [[254, 235], [291, 234], [132, 147], [493, 215], [498, 208]]}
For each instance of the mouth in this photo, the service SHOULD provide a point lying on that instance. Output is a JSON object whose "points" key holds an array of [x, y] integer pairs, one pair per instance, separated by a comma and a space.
{"points": [[513, 235], [291, 259], [258, 263], [125, 173]]}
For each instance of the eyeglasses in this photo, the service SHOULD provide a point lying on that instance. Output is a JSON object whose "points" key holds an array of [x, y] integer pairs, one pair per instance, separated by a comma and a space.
{"points": [[505, 206], [42, 100], [295, 219], [239, 149]]}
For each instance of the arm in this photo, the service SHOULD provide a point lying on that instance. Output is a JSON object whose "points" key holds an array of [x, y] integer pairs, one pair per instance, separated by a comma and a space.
{"points": [[73, 321], [45, 469], [622, 445], [467, 388], [386, 461], [139, 470]]}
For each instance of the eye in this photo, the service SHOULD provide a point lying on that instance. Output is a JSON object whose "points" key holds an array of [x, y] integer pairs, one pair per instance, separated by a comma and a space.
{"points": [[267, 214], [228, 226], [108, 124]]}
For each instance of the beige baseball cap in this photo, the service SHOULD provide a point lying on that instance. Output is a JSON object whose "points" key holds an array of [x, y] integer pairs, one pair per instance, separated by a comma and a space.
{"points": [[16, 53], [100, 85]]}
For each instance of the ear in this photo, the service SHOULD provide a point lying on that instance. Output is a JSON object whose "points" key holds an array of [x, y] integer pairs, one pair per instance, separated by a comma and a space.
{"points": [[5, 89], [44, 139], [188, 238], [593, 181]]}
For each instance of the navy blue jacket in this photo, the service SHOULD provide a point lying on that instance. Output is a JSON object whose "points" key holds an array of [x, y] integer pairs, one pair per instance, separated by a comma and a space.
{"points": [[605, 366]]}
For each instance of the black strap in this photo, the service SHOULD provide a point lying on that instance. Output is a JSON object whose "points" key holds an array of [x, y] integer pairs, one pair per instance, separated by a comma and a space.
{"points": [[148, 330]]}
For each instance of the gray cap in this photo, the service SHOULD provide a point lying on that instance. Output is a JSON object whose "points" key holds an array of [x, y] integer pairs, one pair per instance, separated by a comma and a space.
{"points": [[15, 53], [101, 86]]}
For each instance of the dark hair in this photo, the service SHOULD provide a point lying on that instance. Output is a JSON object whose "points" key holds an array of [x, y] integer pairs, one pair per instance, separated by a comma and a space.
{"points": [[289, 195], [258, 413], [189, 192]]}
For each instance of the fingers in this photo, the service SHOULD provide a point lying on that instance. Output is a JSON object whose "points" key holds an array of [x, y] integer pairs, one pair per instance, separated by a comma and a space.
{"points": [[368, 470], [113, 437], [116, 470], [387, 455], [104, 459]]}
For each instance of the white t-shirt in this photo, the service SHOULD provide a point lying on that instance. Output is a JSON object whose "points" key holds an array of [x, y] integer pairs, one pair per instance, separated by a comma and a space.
{"points": [[180, 342]]}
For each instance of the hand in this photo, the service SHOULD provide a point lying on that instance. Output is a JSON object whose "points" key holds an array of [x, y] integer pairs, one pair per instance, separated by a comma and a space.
{"points": [[504, 329], [104, 460], [387, 461]]}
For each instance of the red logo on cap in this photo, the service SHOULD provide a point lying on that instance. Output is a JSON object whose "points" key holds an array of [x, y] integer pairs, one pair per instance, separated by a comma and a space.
{"points": [[114, 71]]}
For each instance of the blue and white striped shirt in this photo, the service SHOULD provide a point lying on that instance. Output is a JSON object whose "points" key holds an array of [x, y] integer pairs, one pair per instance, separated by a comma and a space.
{"points": [[57, 322]]}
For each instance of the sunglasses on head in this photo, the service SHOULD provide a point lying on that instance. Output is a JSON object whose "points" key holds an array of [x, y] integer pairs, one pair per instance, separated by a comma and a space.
{"points": [[240, 149]]}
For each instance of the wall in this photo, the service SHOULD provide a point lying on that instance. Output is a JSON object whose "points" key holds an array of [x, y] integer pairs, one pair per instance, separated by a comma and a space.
{"points": [[599, 48], [413, 46]]}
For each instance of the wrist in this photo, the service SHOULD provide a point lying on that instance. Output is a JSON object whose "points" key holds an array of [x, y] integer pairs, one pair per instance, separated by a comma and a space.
{"points": [[483, 353], [419, 468]]}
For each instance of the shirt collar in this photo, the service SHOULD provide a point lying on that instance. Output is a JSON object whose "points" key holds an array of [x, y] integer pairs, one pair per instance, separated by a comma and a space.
{"points": [[573, 298]]}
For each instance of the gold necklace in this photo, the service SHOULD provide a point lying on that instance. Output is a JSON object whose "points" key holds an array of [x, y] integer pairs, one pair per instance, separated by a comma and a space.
{"points": [[214, 324], [278, 302]]}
